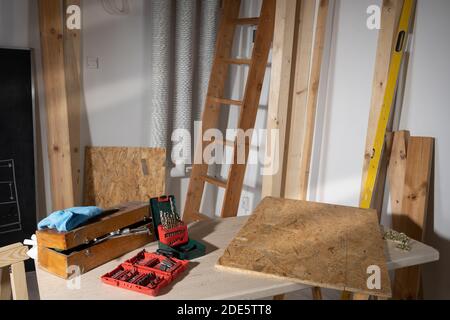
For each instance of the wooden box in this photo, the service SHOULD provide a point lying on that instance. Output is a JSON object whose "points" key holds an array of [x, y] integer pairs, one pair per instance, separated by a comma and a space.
{"points": [[63, 253]]}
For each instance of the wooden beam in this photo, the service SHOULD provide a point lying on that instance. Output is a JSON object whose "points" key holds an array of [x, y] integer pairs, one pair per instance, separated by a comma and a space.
{"points": [[411, 221], [59, 149], [72, 66], [299, 101], [5, 284], [313, 89], [390, 16], [397, 170], [281, 87], [19, 281]]}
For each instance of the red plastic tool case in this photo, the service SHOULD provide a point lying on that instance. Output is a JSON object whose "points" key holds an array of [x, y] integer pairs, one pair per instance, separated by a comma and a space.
{"points": [[145, 266], [173, 237]]}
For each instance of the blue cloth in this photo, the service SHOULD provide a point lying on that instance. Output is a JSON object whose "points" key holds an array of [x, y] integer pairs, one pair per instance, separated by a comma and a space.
{"points": [[69, 219]]}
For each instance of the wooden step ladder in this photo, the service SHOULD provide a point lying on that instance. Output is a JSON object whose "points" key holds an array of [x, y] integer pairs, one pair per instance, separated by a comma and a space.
{"points": [[215, 100]]}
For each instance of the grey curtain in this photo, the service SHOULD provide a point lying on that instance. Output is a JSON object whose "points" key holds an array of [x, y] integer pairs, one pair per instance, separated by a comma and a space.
{"points": [[183, 41]]}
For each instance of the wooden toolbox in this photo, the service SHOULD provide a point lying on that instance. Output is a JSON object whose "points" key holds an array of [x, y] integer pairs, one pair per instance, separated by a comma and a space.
{"points": [[87, 247]]}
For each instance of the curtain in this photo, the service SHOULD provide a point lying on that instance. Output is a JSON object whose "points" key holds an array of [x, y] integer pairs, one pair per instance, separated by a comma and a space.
{"points": [[183, 40]]}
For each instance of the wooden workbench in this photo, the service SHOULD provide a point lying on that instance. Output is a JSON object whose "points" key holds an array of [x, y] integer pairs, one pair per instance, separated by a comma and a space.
{"points": [[203, 280]]}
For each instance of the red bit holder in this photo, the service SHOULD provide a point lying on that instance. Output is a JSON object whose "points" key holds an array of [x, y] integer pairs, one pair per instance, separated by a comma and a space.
{"points": [[173, 237], [146, 273]]}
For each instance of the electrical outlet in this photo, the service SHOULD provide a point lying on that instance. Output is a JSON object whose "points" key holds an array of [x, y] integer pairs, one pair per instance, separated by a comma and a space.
{"points": [[246, 203]]}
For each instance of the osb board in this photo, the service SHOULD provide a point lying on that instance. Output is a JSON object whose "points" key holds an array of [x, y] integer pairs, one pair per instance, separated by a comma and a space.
{"points": [[315, 244], [116, 175]]}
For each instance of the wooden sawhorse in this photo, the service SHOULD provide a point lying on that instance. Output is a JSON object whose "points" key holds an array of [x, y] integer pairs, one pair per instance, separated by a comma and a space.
{"points": [[13, 281]]}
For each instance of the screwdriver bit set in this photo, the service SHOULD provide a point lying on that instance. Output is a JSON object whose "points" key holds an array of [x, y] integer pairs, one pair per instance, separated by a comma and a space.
{"points": [[146, 273]]}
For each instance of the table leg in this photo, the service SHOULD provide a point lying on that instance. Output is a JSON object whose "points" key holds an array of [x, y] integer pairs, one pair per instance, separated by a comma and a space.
{"points": [[5, 284], [361, 296], [316, 293], [19, 281]]}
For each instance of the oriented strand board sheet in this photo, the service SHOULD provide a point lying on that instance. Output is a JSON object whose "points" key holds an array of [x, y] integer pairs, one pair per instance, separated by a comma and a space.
{"points": [[120, 175], [316, 244]]}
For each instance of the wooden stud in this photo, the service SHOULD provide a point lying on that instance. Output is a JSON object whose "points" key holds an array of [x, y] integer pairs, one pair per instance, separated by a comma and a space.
{"points": [[281, 79], [397, 171], [58, 132], [390, 16], [414, 206], [19, 281], [299, 102], [313, 89], [72, 65]]}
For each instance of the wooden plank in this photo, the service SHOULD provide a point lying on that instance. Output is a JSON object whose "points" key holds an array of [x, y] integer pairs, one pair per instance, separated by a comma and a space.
{"points": [[14, 255], [390, 16], [72, 65], [19, 281], [412, 219], [59, 149], [280, 96], [116, 175], [263, 42], [299, 103], [288, 239], [5, 284], [10, 247], [396, 172], [211, 113], [313, 90]]}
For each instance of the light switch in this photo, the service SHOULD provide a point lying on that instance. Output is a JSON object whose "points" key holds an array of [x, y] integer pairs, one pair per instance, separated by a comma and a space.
{"points": [[92, 62]]}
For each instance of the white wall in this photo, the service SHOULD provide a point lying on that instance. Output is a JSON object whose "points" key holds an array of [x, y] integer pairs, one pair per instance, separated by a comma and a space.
{"points": [[117, 93], [343, 122]]}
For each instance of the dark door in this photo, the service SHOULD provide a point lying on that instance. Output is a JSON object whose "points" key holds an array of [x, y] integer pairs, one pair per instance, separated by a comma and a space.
{"points": [[17, 175]]}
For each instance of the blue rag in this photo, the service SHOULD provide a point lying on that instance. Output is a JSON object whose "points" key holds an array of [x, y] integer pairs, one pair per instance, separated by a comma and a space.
{"points": [[69, 219]]}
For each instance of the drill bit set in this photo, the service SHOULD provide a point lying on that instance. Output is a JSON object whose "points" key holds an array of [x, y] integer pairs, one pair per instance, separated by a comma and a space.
{"points": [[146, 273], [171, 232]]}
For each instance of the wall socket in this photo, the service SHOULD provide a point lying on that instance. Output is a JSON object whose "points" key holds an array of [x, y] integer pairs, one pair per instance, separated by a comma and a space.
{"points": [[246, 203]]}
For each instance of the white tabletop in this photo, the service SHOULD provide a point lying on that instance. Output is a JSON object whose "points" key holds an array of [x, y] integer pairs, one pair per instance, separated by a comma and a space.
{"points": [[202, 280]]}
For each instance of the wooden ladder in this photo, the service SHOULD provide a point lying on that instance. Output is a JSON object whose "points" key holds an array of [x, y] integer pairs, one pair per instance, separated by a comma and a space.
{"points": [[215, 100]]}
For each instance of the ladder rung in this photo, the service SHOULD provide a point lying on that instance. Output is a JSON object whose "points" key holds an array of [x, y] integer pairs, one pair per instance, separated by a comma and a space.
{"points": [[226, 101], [247, 21], [225, 142], [238, 61], [229, 143], [199, 217], [215, 181]]}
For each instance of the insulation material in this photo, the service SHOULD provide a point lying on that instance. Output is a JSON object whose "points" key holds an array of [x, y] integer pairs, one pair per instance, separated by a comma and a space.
{"points": [[161, 19], [321, 245], [118, 175], [209, 18], [184, 76]]}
